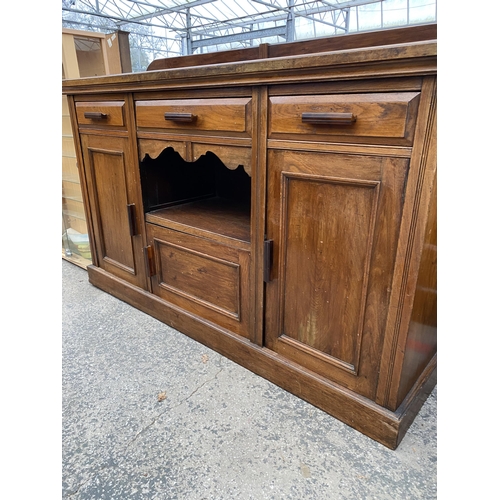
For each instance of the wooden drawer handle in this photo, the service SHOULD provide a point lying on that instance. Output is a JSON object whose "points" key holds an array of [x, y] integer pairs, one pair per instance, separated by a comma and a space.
{"points": [[329, 118], [91, 115], [181, 117]]}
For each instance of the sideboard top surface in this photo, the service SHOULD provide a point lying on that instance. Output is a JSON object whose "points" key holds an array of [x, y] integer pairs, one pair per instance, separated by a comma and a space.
{"points": [[378, 60]]}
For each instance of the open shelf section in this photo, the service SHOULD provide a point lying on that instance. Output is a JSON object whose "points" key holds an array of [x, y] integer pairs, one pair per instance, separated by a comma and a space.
{"points": [[212, 217], [202, 198]]}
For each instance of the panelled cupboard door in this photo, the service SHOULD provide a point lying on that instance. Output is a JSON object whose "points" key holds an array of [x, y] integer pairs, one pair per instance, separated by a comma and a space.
{"points": [[112, 187], [334, 220], [207, 278]]}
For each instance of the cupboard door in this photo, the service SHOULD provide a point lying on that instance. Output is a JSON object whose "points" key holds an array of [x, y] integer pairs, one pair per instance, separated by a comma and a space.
{"points": [[334, 220], [113, 194], [207, 278]]}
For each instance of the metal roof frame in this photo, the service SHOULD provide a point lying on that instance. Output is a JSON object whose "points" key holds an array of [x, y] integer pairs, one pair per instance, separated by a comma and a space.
{"points": [[178, 27]]}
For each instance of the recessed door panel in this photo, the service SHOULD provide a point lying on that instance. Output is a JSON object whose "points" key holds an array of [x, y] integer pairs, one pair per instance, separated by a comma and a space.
{"points": [[327, 241], [108, 171], [202, 278]]}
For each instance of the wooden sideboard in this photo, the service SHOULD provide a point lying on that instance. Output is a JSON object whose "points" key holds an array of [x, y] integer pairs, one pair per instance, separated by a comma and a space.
{"points": [[279, 206]]}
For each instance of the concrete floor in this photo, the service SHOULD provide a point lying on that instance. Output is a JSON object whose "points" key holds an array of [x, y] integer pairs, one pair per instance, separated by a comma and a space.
{"points": [[220, 432]]}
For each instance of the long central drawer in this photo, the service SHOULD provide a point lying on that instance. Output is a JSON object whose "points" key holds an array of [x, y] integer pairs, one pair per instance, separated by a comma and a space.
{"points": [[231, 115]]}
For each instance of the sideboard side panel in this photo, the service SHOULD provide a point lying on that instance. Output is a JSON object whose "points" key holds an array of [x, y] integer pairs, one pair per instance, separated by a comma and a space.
{"points": [[421, 343]]}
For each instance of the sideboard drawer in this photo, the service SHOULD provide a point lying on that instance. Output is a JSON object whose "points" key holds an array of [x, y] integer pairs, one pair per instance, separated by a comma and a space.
{"points": [[105, 113], [331, 117], [230, 115]]}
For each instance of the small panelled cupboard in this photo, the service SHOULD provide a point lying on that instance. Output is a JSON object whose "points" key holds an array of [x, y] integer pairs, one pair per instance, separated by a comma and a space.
{"points": [[278, 204]]}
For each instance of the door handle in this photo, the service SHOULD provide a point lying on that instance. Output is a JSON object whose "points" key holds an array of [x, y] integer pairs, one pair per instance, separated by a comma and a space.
{"points": [[149, 261], [268, 260], [131, 219]]}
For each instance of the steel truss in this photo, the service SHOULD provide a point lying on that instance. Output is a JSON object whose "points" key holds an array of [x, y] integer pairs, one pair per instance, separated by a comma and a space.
{"points": [[166, 28]]}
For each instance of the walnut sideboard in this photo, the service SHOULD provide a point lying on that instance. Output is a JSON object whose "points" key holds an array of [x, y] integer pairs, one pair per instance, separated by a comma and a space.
{"points": [[278, 204]]}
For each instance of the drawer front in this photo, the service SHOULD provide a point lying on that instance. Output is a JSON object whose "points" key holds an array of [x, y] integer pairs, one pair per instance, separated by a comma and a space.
{"points": [[334, 117], [101, 114], [196, 115]]}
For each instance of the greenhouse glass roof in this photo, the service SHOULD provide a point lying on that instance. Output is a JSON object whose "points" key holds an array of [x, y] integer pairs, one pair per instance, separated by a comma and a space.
{"points": [[163, 28]]}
